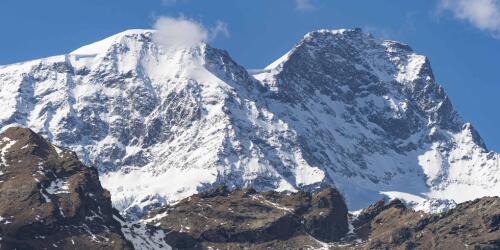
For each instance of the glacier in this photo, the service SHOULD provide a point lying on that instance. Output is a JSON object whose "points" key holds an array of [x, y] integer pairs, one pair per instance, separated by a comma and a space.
{"points": [[341, 108]]}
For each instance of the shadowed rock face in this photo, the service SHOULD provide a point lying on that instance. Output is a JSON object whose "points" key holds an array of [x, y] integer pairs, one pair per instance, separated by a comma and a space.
{"points": [[220, 218], [49, 200]]}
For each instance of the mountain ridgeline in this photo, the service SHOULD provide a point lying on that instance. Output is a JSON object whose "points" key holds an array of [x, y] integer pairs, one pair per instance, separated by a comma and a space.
{"points": [[340, 109]]}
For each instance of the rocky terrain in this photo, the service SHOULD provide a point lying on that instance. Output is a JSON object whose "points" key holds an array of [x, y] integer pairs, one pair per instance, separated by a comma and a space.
{"points": [[246, 219], [471, 225], [50, 200], [341, 108]]}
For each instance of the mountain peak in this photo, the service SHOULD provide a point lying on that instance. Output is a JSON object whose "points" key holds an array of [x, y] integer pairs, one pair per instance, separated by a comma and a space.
{"points": [[340, 108], [24, 136], [321, 33], [103, 45], [136, 46], [316, 40]]}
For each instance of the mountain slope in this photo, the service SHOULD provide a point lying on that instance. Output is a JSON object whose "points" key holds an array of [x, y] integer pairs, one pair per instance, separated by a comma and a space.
{"points": [[372, 111], [246, 219], [341, 108], [49, 200], [473, 224]]}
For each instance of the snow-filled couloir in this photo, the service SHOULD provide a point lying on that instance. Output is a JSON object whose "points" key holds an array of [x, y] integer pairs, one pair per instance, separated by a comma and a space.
{"points": [[341, 108]]}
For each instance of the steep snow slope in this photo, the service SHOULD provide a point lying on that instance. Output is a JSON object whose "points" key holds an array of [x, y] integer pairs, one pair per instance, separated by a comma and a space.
{"points": [[340, 108], [372, 112]]}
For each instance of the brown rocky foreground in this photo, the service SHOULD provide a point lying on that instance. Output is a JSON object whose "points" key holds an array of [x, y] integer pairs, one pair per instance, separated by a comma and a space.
{"points": [[49, 199], [244, 219], [471, 225]]}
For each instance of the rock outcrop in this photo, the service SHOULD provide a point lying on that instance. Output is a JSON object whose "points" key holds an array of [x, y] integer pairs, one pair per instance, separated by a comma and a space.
{"points": [[471, 225], [50, 200], [246, 218]]}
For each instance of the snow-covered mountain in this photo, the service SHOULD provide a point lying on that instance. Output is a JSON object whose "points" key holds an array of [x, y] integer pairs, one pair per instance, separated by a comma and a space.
{"points": [[341, 108]]}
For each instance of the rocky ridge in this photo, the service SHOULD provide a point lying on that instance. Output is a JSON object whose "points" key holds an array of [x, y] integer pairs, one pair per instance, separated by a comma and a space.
{"points": [[50, 200], [245, 218], [474, 224]]}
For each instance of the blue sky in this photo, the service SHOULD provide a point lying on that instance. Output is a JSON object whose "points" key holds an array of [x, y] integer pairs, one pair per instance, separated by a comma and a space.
{"points": [[461, 37]]}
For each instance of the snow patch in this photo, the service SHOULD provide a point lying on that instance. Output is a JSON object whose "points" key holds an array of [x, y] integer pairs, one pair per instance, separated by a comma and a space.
{"points": [[142, 237], [45, 197], [58, 186], [422, 203], [270, 203], [4, 220], [172, 185], [7, 143]]}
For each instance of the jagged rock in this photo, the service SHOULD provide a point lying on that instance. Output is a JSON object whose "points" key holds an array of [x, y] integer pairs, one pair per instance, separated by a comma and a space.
{"points": [[328, 206], [493, 222], [248, 218], [49, 200], [393, 226], [271, 220]]}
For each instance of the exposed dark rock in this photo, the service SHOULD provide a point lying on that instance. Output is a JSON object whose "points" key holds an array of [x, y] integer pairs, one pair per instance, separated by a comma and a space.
{"points": [[328, 207], [49, 200], [400, 235], [218, 191], [493, 222], [471, 225], [246, 218]]}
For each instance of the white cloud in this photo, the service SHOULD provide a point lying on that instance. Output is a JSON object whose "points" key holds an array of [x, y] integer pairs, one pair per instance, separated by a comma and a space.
{"points": [[183, 32], [484, 14], [304, 5], [219, 29]]}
